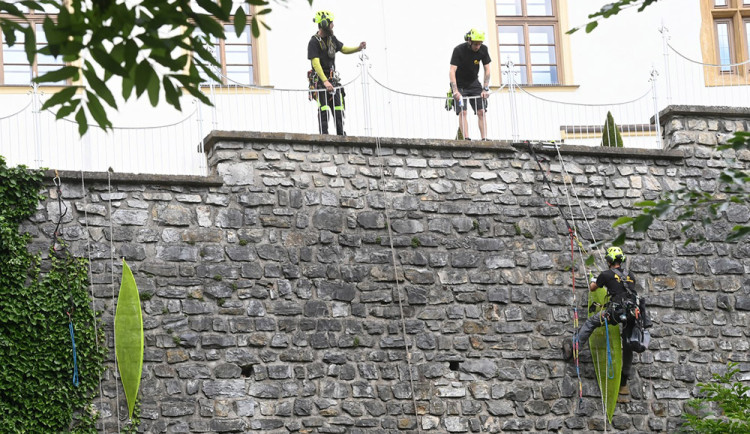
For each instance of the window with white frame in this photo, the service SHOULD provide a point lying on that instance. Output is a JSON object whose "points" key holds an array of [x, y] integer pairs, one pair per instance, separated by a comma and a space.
{"points": [[528, 34], [729, 30], [236, 54], [15, 68]]}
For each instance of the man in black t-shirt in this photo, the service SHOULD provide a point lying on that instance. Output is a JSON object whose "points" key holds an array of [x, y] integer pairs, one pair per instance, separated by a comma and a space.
{"points": [[321, 50], [464, 80], [620, 286]]}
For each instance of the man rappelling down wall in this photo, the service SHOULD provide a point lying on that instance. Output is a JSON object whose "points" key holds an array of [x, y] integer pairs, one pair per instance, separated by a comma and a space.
{"points": [[622, 305], [612, 299], [324, 80]]}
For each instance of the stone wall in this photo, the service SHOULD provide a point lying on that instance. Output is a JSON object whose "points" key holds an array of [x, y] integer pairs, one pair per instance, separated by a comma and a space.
{"points": [[271, 302]]}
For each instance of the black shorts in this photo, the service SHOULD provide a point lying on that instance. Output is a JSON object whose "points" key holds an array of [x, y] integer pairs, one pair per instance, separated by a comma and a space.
{"points": [[472, 94]]}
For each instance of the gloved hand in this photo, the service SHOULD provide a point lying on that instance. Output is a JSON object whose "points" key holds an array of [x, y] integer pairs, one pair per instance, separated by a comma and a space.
{"points": [[592, 279]]}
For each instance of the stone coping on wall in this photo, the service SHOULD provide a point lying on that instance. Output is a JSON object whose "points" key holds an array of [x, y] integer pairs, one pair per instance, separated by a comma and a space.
{"points": [[137, 178], [543, 148], [218, 136], [700, 111], [505, 146]]}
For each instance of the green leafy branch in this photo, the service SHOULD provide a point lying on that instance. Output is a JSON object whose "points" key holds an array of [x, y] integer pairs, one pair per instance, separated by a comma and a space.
{"points": [[694, 205], [612, 9], [156, 47], [690, 205], [723, 408]]}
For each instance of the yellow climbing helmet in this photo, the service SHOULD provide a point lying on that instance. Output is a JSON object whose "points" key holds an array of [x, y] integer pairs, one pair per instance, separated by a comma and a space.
{"points": [[614, 254], [474, 35], [323, 19]]}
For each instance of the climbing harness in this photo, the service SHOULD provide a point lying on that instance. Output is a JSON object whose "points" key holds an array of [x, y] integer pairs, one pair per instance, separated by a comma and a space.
{"points": [[627, 282], [63, 249], [313, 82], [327, 46], [327, 101], [636, 336]]}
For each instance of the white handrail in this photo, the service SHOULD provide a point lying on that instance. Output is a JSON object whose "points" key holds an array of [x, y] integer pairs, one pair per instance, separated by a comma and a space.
{"points": [[373, 108]]}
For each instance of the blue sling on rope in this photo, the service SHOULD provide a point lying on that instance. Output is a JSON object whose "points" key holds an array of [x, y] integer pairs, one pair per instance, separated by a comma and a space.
{"points": [[62, 248], [610, 368], [75, 359]]}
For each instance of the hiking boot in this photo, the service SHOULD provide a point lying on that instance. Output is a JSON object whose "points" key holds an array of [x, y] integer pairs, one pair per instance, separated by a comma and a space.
{"points": [[567, 348], [623, 397], [624, 390]]}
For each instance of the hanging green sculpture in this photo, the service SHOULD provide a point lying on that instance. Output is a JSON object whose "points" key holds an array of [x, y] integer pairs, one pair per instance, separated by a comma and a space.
{"points": [[129, 337], [606, 354]]}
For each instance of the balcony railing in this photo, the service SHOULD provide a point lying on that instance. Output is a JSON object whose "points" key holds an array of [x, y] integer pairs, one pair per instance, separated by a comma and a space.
{"points": [[33, 137]]}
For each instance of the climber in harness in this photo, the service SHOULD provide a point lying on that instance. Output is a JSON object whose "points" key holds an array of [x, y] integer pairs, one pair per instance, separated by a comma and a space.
{"points": [[323, 79], [464, 80], [624, 307]]}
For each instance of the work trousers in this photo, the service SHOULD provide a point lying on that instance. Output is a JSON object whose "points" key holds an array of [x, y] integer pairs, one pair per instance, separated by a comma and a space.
{"points": [[328, 101], [596, 321]]}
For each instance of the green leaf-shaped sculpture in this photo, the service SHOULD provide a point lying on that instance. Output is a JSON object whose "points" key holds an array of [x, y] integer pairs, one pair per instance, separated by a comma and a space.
{"points": [[608, 375], [129, 336]]}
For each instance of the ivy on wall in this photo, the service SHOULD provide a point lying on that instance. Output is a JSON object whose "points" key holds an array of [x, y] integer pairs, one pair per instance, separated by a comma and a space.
{"points": [[37, 393]]}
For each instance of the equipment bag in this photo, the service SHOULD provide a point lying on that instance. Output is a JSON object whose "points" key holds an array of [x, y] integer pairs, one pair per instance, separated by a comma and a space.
{"points": [[312, 83], [636, 338], [449, 101]]}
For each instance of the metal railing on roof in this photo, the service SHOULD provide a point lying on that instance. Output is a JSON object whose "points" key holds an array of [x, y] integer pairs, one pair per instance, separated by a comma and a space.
{"points": [[515, 113], [374, 109]]}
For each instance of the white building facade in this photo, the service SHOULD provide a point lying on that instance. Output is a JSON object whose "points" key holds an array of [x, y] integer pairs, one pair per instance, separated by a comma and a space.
{"points": [[547, 85]]}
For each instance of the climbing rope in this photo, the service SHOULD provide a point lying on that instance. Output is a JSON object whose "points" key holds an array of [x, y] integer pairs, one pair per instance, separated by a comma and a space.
{"points": [[90, 277], [581, 248], [576, 346], [571, 232], [56, 236], [572, 236], [398, 287], [609, 370], [112, 282], [58, 245], [582, 251]]}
